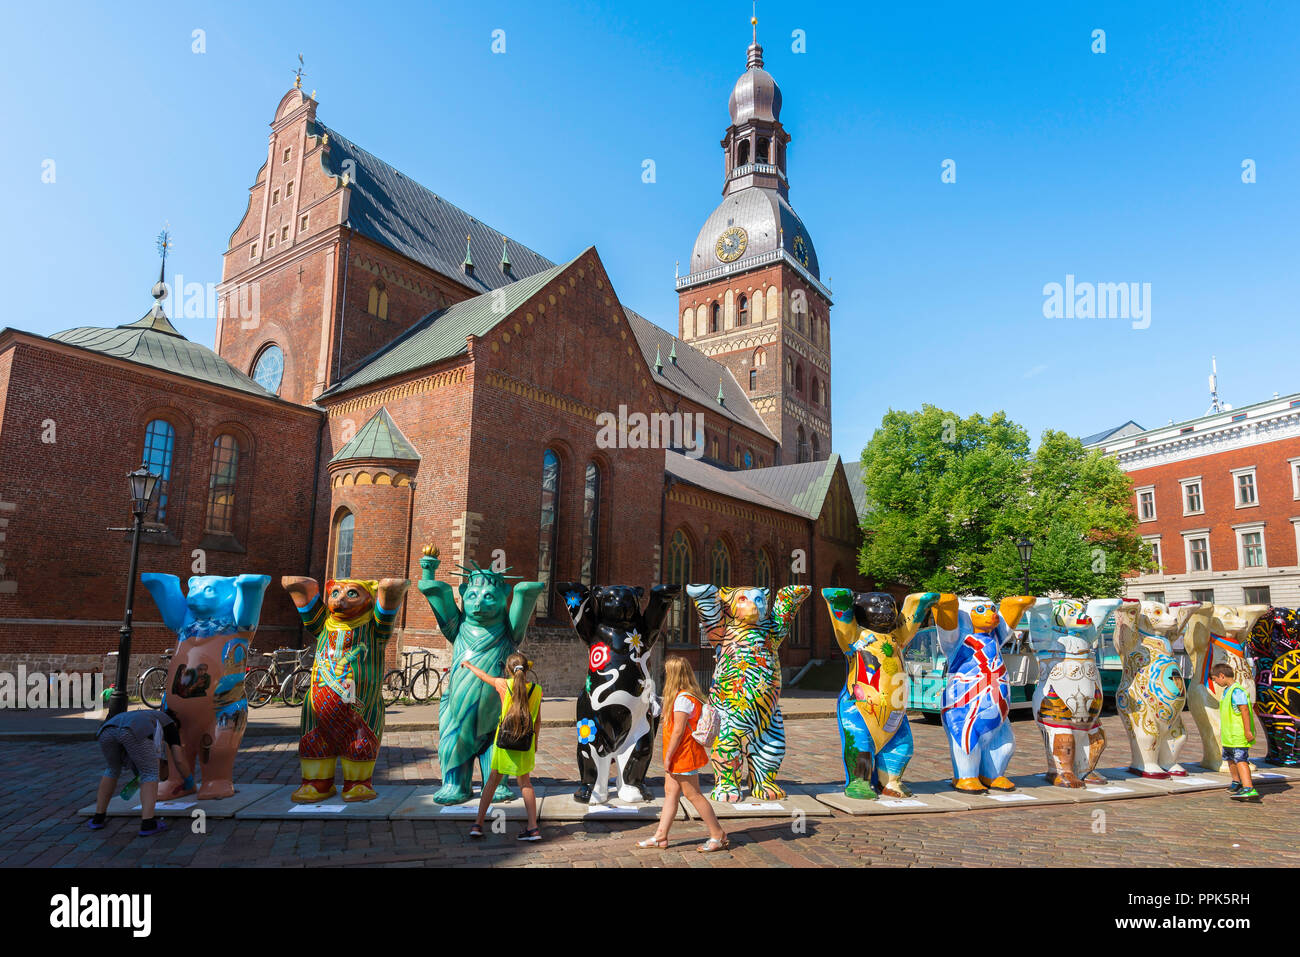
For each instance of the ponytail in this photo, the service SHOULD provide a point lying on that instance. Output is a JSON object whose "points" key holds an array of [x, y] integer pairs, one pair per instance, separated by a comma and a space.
{"points": [[518, 721]]}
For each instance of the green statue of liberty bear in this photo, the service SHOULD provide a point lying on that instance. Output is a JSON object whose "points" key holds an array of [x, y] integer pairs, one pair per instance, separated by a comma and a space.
{"points": [[485, 629]]}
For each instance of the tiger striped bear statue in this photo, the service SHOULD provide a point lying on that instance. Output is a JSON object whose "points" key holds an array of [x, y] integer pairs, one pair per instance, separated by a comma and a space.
{"points": [[747, 633]]}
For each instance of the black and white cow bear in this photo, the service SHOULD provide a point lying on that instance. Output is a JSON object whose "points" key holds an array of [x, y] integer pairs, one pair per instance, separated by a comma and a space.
{"points": [[618, 711]]}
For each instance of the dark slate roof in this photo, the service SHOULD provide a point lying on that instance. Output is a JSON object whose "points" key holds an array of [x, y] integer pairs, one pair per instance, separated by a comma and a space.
{"points": [[395, 210], [695, 375], [379, 438], [154, 341], [441, 334], [735, 485], [853, 472], [1128, 428], [803, 485]]}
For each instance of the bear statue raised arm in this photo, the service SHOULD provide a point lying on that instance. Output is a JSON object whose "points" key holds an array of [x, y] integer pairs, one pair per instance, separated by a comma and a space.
{"points": [[214, 621]]}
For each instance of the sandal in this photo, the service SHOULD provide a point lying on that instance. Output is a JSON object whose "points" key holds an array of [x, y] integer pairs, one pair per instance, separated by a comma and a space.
{"points": [[529, 834], [713, 844], [650, 842], [476, 831]]}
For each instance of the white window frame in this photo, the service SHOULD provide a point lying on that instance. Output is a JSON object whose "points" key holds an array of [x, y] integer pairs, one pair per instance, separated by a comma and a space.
{"points": [[1188, 537], [1184, 484], [1295, 477], [275, 197], [303, 221], [1295, 524], [284, 234], [1246, 529], [252, 250], [1160, 551], [270, 241], [1236, 486], [1138, 493], [288, 189], [287, 154]]}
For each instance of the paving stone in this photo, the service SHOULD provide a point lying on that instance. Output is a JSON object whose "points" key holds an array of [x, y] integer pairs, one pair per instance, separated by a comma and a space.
{"points": [[420, 805], [918, 803], [564, 806], [1199, 781], [751, 807]]}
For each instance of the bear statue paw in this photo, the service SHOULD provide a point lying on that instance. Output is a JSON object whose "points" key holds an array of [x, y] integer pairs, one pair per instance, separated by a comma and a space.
{"points": [[768, 792], [309, 794], [727, 795], [860, 790], [1092, 777], [216, 791], [583, 794], [969, 786], [502, 795], [631, 794], [452, 794], [360, 791], [897, 790], [999, 783]]}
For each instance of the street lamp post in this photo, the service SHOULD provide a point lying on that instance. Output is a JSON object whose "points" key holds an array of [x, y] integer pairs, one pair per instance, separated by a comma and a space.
{"points": [[1026, 549], [143, 483]]}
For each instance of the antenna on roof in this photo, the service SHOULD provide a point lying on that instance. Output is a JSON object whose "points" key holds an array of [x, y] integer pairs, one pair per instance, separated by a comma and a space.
{"points": [[1216, 403]]}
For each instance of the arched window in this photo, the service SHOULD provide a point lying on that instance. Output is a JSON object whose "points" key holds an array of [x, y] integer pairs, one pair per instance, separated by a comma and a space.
{"points": [[720, 565], [377, 305], [590, 523], [799, 632], [742, 311], [159, 447], [760, 358], [715, 319], [763, 149], [789, 370], [742, 154], [763, 570], [802, 450], [679, 568], [798, 319], [816, 448], [268, 370], [344, 530], [816, 390], [221, 485], [548, 529], [798, 378]]}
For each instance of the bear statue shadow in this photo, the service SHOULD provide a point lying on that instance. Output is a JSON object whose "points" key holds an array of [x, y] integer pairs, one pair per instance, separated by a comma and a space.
{"points": [[214, 621], [617, 711]]}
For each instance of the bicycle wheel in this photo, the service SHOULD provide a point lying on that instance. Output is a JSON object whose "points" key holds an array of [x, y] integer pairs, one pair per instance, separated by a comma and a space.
{"points": [[297, 687], [393, 687], [424, 686], [152, 685], [259, 687]]}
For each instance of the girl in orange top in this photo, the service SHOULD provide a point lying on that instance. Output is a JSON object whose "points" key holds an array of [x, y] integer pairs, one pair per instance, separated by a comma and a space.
{"points": [[684, 757]]}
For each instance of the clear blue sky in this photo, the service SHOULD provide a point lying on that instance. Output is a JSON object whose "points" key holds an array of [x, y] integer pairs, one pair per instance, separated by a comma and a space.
{"points": [[1115, 167]]}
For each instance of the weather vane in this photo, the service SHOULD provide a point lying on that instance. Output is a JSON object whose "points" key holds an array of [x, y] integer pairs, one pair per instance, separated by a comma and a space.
{"points": [[298, 74], [162, 244]]}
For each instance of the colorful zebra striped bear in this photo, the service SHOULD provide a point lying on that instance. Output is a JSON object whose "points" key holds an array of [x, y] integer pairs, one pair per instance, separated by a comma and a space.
{"points": [[746, 690]]}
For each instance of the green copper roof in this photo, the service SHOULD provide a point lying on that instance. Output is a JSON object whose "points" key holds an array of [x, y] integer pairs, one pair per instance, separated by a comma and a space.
{"points": [[441, 334], [804, 485], [153, 341], [380, 438]]}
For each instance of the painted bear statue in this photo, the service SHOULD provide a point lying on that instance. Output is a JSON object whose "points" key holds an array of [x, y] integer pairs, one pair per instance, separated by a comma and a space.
{"points": [[875, 737], [1152, 690], [1068, 698], [618, 710], [343, 716], [977, 692], [484, 629], [1220, 639], [746, 633], [1275, 646], [214, 621]]}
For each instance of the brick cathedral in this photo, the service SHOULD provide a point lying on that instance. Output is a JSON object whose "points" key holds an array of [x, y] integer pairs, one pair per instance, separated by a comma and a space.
{"points": [[406, 374]]}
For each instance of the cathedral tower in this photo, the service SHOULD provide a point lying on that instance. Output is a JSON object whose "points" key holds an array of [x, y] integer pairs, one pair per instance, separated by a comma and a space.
{"points": [[753, 298]]}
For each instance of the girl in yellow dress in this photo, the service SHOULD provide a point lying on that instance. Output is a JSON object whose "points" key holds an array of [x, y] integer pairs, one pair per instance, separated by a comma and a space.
{"points": [[521, 712]]}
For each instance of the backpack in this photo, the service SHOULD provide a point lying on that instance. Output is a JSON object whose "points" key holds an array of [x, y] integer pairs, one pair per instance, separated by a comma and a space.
{"points": [[706, 727]]}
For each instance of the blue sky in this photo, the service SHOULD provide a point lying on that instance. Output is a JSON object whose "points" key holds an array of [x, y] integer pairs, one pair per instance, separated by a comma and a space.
{"points": [[1123, 166]]}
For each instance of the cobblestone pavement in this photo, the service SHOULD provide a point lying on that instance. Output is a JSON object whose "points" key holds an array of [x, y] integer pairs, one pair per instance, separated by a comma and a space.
{"points": [[42, 785]]}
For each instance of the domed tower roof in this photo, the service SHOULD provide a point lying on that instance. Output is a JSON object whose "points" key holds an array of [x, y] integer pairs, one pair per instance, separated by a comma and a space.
{"points": [[755, 95]]}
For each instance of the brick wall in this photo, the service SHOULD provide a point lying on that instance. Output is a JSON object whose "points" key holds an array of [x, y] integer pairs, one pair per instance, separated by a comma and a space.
{"points": [[70, 570]]}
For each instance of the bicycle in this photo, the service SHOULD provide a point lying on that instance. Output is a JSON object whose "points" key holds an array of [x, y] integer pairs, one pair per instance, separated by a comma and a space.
{"points": [[153, 682], [421, 684], [289, 678]]}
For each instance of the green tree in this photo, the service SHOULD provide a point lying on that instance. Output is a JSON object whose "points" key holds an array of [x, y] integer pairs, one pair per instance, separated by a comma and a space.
{"points": [[949, 498]]}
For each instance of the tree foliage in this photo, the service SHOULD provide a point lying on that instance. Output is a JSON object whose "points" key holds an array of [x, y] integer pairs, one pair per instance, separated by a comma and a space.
{"points": [[948, 498]]}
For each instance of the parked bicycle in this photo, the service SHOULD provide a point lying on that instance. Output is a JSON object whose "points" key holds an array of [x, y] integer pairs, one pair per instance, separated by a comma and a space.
{"points": [[288, 677], [420, 683], [153, 682]]}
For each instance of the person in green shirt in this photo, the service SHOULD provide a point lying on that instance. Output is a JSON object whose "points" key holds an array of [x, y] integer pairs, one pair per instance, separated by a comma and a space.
{"points": [[1236, 729]]}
